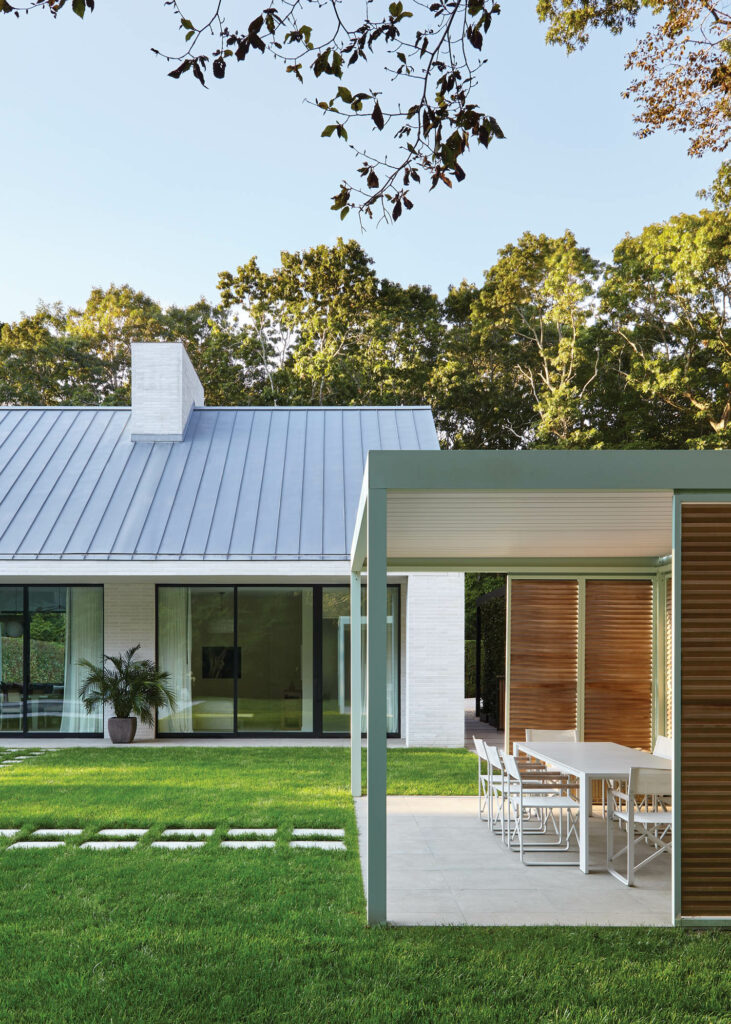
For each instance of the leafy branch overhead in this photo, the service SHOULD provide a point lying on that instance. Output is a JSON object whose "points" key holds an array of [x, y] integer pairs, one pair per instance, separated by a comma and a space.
{"points": [[411, 121]]}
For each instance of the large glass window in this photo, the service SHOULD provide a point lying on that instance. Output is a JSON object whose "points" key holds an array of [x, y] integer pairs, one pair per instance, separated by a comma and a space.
{"points": [[275, 631], [336, 659], [45, 632], [195, 644], [252, 659]]}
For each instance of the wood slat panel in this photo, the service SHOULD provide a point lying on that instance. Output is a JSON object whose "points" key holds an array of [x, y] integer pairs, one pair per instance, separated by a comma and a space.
{"points": [[543, 655], [705, 710], [618, 662]]}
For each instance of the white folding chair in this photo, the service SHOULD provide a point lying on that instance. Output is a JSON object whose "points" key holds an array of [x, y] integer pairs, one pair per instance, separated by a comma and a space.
{"points": [[497, 789], [537, 793], [664, 747], [483, 777], [548, 735], [641, 805]]}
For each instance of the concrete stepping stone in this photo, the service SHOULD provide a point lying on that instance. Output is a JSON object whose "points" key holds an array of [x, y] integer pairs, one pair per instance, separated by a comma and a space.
{"points": [[110, 844], [248, 844], [120, 833], [335, 833], [186, 844], [318, 844], [188, 831], [251, 832], [30, 845], [57, 832], [8, 833]]}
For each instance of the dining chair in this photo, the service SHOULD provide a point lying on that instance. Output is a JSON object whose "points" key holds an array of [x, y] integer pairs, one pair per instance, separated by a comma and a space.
{"points": [[483, 777], [549, 735], [642, 805], [532, 793], [664, 747]]}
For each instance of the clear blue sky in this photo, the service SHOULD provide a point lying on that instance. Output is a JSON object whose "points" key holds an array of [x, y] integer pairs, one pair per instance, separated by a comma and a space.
{"points": [[113, 172]]}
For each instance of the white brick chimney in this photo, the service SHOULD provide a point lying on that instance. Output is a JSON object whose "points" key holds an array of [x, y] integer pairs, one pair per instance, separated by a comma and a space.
{"points": [[165, 388]]}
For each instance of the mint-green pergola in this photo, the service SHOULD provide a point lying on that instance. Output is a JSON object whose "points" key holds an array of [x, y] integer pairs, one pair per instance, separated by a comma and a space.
{"points": [[509, 512]]}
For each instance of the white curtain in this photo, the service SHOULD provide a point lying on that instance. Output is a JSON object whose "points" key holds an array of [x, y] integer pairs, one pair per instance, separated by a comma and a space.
{"points": [[174, 656], [84, 639]]}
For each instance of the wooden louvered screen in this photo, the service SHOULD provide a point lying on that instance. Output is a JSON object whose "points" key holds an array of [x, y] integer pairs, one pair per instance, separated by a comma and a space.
{"points": [[618, 662], [705, 710], [669, 656], [543, 656]]}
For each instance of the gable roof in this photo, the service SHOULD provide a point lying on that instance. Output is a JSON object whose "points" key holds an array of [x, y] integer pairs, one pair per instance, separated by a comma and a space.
{"points": [[245, 483]]}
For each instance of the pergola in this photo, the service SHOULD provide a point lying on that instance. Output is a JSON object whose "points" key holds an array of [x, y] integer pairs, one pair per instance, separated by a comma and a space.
{"points": [[656, 515]]}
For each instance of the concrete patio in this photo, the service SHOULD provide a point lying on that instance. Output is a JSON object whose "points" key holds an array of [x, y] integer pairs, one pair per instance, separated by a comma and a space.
{"points": [[445, 867]]}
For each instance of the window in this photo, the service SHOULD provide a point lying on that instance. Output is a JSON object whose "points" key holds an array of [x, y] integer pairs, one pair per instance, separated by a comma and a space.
{"points": [[263, 659], [45, 632]]}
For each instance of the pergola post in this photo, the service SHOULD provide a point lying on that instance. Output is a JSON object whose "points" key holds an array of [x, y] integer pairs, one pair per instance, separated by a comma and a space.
{"points": [[355, 686], [376, 688]]}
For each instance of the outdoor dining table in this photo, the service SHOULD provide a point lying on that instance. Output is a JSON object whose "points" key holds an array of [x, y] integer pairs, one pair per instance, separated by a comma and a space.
{"points": [[589, 762]]}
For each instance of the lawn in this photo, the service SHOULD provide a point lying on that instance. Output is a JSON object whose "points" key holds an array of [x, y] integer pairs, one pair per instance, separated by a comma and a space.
{"points": [[218, 935]]}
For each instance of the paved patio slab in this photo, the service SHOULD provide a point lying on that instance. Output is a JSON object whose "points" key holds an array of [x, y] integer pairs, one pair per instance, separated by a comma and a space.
{"points": [[446, 867]]}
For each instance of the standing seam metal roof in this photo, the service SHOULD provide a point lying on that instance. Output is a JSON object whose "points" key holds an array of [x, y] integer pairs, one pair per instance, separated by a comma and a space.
{"points": [[245, 483]]}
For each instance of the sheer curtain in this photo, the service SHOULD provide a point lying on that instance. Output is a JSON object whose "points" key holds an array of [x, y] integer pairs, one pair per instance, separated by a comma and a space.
{"points": [[174, 653], [84, 639]]}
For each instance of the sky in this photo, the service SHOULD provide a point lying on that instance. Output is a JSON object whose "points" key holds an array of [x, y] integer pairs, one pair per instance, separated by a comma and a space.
{"points": [[114, 173]]}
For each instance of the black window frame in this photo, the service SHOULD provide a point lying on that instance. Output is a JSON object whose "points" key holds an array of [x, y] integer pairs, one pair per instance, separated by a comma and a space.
{"points": [[24, 731], [317, 589]]}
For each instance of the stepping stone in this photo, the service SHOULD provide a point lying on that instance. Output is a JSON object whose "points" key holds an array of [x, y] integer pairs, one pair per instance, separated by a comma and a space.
{"points": [[58, 832], [122, 832], [8, 833], [36, 846], [181, 845], [336, 833], [313, 844], [110, 844], [252, 832], [247, 844], [188, 831]]}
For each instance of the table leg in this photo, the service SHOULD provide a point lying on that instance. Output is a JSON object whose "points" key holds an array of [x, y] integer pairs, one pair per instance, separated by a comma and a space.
{"points": [[584, 815]]}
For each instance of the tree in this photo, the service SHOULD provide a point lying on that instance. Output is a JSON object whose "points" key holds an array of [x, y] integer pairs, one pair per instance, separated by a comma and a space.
{"points": [[42, 365], [431, 56], [537, 300], [682, 64], [667, 297], [479, 398], [329, 332]]}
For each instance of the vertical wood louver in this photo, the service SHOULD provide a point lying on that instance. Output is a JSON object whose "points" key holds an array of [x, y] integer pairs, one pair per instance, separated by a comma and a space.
{"points": [[705, 710], [543, 656], [618, 662]]}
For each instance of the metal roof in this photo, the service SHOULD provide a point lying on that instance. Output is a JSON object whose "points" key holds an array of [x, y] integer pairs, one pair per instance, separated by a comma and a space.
{"points": [[245, 483]]}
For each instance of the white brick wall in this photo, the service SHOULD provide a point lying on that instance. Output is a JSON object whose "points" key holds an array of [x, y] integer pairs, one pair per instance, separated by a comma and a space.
{"points": [[129, 619], [433, 694]]}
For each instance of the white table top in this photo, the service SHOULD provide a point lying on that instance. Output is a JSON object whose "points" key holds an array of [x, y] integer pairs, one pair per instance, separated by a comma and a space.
{"points": [[599, 760]]}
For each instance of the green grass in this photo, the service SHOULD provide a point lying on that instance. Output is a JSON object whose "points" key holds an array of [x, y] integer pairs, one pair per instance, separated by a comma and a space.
{"points": [[227, 936]]}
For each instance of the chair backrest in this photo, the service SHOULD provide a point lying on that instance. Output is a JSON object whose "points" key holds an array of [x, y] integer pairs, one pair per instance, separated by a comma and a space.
{"points": [[480, 748], [511, 766], [493, 756], [651, 781], [664, 747], [564, 735]]}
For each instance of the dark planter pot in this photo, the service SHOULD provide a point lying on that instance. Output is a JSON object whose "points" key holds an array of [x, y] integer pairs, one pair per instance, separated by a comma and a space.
{"points": [[122, 730], [484, 717]]}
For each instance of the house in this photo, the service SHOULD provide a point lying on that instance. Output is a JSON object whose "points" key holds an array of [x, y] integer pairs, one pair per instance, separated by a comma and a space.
{"points": [[218, 539], [618, 617]]}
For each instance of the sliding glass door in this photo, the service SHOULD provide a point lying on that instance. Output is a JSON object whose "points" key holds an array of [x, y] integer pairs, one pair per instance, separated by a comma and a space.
{"points": [[45, 632], [263, 659]]}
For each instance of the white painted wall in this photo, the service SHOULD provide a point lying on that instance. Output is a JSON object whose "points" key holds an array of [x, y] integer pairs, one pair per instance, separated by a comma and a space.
{"points": [[165, 387], [432, 701], [129, 619]]}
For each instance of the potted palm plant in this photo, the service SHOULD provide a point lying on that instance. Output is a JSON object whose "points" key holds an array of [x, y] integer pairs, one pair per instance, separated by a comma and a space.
{"points": [[134, 688]]}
